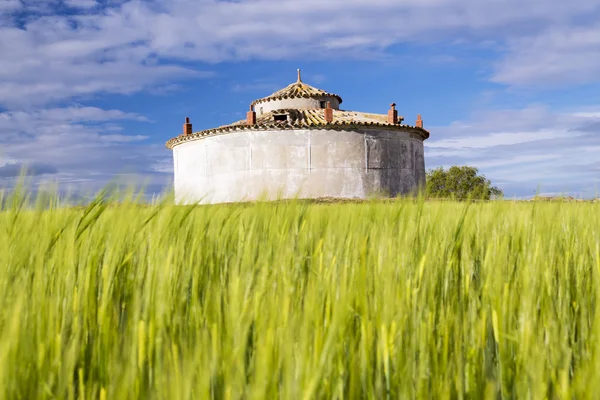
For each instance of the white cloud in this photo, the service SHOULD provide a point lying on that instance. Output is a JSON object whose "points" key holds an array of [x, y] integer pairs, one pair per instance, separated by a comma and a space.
{"points": [[9, 5], [561, 56], [536, 147], [493, 139], [517, 160], [81, 3], [124, 46], [584, 114], [121, 46], [78, 144], [24, 119]]}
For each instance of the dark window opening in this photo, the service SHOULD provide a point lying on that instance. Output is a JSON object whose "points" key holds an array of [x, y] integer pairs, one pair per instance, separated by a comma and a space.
{"points": [[280, 117], [323, 104]]}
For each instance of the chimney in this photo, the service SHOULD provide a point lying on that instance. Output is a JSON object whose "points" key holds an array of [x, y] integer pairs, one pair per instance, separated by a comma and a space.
{"points": [[419, 123], [251, 117], [329, 113], [392, 115], [187, 127]]}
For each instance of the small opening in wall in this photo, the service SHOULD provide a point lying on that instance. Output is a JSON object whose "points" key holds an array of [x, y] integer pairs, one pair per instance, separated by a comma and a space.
{"points": [[323, 104], [280, 117], [261, 111]]}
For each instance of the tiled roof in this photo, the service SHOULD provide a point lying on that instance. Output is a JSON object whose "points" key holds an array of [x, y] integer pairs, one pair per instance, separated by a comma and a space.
{"points": [[315, 117], [306, 118], [296, 90]]}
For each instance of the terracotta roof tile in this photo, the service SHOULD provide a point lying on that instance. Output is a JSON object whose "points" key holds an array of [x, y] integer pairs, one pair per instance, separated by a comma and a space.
{"points": [[297, 90], [303, 118]]}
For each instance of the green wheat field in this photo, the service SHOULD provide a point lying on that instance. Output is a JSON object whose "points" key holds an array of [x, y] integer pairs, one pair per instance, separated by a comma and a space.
{"points": [[299, 300]]}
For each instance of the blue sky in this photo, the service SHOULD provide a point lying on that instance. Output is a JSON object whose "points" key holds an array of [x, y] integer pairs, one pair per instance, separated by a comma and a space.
{"points": [[90, 90]]}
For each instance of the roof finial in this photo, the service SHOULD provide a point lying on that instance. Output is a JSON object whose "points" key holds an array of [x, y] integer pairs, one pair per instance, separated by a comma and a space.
{"points": [[299, 77]]}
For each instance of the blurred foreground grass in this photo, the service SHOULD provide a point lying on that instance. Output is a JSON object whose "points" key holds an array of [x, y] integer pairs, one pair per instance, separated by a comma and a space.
{"points": [[404, 299]]}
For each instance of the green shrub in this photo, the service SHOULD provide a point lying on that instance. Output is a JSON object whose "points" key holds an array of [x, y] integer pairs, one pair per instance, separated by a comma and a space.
{"points": [[460, 183]]}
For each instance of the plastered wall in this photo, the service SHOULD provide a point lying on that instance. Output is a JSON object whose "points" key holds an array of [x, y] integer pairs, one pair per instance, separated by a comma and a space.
{"points": [[249, 165]]}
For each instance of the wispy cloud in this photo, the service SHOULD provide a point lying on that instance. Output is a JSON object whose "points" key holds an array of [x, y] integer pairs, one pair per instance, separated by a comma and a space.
{"points": [[493, 139], [77, 144], [85, 4], [12, 170], [561, 56], [9, 5], [128, 46], [538, 147], [56, 52]]}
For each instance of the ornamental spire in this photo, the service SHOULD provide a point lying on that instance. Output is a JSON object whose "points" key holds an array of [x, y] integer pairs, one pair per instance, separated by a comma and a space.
{"points": [[299, 77]]}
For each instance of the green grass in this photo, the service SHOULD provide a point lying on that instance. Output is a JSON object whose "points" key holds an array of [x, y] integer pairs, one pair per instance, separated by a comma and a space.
{"points": [[293, 300]]}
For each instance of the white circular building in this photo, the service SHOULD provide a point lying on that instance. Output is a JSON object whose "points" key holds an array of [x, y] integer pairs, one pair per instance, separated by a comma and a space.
{"points": [[297, 142]]}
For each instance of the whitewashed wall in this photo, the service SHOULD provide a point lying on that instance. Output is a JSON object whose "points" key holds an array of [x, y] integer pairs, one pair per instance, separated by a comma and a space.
{"points": [[249, 165], [300, 103]]}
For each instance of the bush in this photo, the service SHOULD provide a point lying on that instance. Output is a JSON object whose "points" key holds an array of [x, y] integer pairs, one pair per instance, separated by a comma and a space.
{"points": [[460, 183]]}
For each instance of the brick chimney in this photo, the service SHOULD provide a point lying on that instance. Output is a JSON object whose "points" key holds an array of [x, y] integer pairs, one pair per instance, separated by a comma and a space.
{"points": [[328, 113], [392, 114], [419, 123], [187, 127], [251, 117]]}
